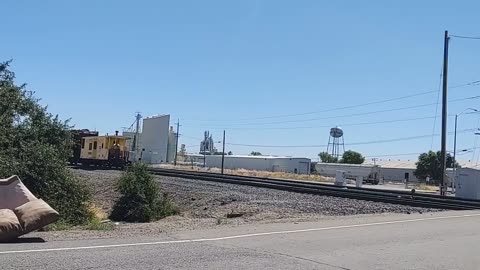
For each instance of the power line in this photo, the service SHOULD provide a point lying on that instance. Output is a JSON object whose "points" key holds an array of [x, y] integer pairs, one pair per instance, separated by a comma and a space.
{"points": [[393, 155], [465, 37], [328, 126], [190, 137], [472, 83], [459, 152], [436, 107], [350, 144], [347, 115]]}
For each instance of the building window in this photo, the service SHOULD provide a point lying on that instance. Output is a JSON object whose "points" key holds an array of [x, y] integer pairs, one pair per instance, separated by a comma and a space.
{"points": [[102, 146], [83, 143], [90, 146], [94, 145]]}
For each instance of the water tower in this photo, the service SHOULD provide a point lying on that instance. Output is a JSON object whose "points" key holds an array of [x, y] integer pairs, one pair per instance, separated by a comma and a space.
{"points": [[335, 142]]}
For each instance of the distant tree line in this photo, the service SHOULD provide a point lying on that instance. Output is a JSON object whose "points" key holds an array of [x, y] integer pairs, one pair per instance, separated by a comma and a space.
{"points": [[349, 157]]}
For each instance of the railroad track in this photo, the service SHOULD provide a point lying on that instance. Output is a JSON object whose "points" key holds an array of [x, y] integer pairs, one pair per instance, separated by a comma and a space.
{"points": [[369, 194]]}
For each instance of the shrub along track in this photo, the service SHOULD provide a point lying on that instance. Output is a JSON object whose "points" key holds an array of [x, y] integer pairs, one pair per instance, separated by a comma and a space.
{"points": [[386, 196]]}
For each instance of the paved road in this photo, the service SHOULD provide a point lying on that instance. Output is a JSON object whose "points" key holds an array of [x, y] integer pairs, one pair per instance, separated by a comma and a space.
{"points": [[448, 240]]}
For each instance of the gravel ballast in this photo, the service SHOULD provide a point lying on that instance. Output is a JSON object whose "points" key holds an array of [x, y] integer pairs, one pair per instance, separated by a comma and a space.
{"points": [[204, 204]]}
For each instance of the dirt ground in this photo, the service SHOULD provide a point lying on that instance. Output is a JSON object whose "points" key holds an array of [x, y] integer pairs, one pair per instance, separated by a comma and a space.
{"points": [[204, 205]]}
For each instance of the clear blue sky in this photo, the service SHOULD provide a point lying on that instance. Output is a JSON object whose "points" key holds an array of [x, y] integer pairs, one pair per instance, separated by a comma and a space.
{"points": [[214, 64]]}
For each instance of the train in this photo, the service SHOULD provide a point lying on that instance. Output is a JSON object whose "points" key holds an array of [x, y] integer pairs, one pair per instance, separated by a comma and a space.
{"points": [[90, 149]]}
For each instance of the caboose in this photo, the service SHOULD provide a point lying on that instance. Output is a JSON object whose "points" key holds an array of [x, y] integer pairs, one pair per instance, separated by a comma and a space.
{"points": [[105, 151]]}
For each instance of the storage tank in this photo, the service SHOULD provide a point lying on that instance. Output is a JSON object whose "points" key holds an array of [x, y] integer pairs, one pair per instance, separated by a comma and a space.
{"points": [[336, 132]]}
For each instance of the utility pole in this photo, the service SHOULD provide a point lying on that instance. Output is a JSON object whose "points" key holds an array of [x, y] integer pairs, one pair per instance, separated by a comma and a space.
{"points": [[454, 155], [176, 142], [223, 151], [443, 158], [137, 134], [204, 155]]}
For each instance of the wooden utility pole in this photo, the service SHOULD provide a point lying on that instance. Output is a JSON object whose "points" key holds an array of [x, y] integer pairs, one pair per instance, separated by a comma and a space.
{"points": [[223, 151], [176, 142], [443, 158]]}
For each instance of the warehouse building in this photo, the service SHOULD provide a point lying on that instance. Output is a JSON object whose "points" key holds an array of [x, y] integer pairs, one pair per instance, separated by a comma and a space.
{"points": [[257, 163], [388, 170]]}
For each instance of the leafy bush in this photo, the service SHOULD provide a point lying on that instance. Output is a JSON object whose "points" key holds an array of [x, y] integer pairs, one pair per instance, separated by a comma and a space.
{"points": [[352, 157], [141, 200], [35, 145], [327, 158], [429, 165]]}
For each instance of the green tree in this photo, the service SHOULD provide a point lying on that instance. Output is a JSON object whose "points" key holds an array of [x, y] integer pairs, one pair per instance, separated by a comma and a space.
{"points": [[36, 145], [230, 153], [253, 153], [352, 157], [141, 200], [428, 164], [327, 158]]}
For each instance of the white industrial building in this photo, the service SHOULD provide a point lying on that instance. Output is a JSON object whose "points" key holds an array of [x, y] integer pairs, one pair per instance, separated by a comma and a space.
{"points": [[468, 183], [257, 163], [156, 141], [388, 170]]}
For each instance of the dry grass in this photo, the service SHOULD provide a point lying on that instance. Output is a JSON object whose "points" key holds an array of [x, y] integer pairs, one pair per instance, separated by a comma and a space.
{"points": [[425, 187], [98, 213], [265, 174]]}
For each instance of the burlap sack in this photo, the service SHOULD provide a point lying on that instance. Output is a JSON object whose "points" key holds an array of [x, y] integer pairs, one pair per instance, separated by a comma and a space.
{"points": [[35, 215], [10, 227]]}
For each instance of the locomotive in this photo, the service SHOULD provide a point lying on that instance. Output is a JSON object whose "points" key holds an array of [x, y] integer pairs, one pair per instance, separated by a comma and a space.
{"points": [[107, 151]]}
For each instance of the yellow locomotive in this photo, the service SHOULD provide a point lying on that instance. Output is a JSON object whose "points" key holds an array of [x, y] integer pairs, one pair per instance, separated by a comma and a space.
{"points": [[105, 151]]}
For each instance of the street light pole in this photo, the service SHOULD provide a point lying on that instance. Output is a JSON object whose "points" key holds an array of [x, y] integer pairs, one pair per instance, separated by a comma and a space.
{"points": [[455, 146]]}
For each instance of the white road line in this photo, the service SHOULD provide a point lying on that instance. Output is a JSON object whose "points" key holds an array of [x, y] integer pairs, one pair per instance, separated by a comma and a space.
{"points": [[237, 236]]}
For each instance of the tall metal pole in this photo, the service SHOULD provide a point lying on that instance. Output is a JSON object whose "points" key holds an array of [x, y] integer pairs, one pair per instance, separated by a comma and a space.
{"points": [[137, 135], [454, 154], [176, 142], [443, 158], [223, 151], [204, 155]]}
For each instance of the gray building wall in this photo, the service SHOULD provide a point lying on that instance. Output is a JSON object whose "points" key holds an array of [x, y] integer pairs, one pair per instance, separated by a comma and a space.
{"points": [[154, 139], [387, 173], [258, 163]]}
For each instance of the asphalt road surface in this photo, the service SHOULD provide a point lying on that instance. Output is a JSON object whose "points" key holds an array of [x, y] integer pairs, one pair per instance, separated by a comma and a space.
{"points": [[447, 240]]}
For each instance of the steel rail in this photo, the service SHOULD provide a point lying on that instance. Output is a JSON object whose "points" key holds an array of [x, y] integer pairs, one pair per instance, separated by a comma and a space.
{"points": [[395, 197]]}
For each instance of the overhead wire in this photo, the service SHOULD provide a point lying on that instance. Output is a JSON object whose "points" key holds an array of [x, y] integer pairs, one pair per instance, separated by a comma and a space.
{"points": [[436, 107], [348, 115], [459, 152], [349, 144], [472, 83], [464, 37], [325, 126]]}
